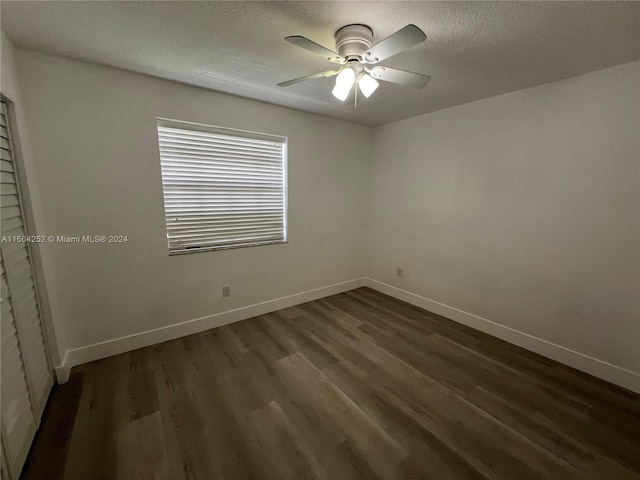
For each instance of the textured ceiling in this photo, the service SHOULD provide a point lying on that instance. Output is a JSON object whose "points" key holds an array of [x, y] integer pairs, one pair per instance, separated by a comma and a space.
{"points": [[473, 49]]}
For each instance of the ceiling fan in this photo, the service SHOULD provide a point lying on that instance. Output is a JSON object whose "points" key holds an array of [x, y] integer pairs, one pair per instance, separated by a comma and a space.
{"points": [[359, 59]]}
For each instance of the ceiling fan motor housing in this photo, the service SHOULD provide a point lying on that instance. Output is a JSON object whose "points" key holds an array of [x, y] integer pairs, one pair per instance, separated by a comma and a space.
{"points": [[353, 40]]}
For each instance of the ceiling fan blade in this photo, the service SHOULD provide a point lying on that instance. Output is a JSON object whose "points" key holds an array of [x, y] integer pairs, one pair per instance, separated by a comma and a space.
{"points": [[401, 40], [328, 73], [408, 79], [315, 48]]}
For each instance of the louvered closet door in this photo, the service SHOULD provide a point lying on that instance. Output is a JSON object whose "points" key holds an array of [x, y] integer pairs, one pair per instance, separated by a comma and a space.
{"points": [[26, 375], [18, 421]]}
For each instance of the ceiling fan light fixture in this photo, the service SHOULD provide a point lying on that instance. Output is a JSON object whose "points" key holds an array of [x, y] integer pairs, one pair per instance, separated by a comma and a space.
{"points": [[367, 85], [355, 51], [344, 81]]}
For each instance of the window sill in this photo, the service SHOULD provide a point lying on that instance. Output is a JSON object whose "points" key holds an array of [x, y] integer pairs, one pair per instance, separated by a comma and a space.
{"points": [[223, 247]]}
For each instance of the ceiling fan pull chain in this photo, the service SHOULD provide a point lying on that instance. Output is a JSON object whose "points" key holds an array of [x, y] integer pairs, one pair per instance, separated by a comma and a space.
{"points": [[355, 96]]}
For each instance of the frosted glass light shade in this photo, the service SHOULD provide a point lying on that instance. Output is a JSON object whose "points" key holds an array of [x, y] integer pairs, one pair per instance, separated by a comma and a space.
{"points": [[367, 85], [341, 92], [344, 81]]}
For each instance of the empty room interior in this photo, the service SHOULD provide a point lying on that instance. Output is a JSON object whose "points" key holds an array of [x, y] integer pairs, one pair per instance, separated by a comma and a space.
{"points": [[320, 240]]}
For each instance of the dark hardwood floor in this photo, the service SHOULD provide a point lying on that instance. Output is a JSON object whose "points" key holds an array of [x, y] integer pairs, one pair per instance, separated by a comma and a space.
{"points": [[354, 386]]}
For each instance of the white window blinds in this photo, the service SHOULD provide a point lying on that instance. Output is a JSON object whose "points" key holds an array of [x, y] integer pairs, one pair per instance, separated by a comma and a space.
{"points": [[223, 188]]}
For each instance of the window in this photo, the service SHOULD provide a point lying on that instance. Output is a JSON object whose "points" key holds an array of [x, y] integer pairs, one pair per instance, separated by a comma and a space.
{"points": [[223, 188]]}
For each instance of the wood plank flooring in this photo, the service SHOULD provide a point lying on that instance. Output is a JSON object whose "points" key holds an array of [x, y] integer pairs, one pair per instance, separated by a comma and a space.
{"points": [[354, 386]]}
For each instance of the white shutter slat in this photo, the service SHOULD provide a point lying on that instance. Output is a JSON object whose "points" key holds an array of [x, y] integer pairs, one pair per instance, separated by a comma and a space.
{"points": [[6, 166], [17, 420], [17, 256], [30, 308], [10, 212], [8, 189], [9, 200], [7, 327], [7, 177], [22, 270], [11, 353], [16, 231], [222, 188], [32, 323], [23, 292], [5, 308], [14, 253]]}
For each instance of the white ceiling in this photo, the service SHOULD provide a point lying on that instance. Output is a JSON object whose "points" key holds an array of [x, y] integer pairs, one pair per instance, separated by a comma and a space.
{"points": [[473, 50]]}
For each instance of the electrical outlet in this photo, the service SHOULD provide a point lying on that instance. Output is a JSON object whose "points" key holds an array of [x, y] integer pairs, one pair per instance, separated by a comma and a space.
{"points": [[226, 291], [400, 272]]}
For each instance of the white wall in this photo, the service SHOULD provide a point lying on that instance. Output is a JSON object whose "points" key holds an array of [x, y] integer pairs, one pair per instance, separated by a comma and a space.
{"points": [[522, 209], [94, 139], [32, 201]]}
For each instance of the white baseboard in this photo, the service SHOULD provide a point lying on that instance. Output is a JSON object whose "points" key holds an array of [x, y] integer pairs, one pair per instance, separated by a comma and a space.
{"points": [[78, 356], [593, 366], [598, 368], [63, 370]]}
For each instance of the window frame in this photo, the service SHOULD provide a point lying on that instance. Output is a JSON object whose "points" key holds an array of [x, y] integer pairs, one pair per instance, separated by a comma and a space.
{"points": [[244, 134]]}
